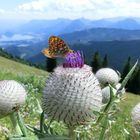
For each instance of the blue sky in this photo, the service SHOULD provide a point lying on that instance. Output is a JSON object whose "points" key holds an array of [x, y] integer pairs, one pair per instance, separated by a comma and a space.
{"points": [[52, 9], [11, 4]]}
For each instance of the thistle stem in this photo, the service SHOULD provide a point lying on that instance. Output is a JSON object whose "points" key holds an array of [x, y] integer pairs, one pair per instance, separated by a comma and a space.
{"points": [[15, 124], [42, 119], [107, 107], [71, 133], [21, 124], [104, 128], [106, 110]]}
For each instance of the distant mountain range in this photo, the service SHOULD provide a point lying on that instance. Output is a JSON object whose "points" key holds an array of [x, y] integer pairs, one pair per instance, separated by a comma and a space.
{"points": [[101, 34], [60, 26], [108, 36]]}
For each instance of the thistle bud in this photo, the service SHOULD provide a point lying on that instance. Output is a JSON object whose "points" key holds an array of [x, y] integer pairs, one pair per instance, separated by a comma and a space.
{"points": [[12, 96], [106, 94], [136, 117], [72, 93], [107, 76], [118, 86]]}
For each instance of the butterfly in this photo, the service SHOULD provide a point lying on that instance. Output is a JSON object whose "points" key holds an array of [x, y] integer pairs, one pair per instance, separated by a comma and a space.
{"points": [[57, 48]]}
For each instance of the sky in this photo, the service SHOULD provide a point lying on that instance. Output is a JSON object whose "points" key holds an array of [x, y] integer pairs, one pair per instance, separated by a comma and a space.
{"points": [[72, 9]]}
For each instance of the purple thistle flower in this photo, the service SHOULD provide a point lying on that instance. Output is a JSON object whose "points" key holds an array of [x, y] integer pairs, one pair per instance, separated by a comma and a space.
{"points": [[74, 60]]}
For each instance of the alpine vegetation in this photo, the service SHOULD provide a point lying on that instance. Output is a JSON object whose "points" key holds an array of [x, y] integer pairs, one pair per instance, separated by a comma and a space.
{"points": [[72, 93]]}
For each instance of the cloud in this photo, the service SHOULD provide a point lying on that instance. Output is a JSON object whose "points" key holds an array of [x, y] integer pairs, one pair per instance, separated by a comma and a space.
{"points": [[82, 8], [16, 37], [1, 11], [62, 5]]}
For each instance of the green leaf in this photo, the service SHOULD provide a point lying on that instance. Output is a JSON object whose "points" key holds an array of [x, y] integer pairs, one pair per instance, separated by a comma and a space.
{"points": [[128, 76]]}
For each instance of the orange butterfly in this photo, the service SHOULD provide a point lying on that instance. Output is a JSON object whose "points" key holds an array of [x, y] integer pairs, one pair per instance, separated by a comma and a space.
{"points": [[57, 48]]}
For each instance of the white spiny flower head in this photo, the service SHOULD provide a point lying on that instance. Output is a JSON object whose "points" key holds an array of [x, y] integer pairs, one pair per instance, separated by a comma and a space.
{"points": [[106, 94], [107, 76], [118, 86], [72, 93], [12, 96], [136, 117]]}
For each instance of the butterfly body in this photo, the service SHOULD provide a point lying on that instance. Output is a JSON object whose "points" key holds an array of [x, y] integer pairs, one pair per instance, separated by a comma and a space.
{"points": [[57, 48]]}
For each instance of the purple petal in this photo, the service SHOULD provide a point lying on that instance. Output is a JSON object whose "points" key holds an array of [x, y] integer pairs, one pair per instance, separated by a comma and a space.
{"points": [[74, 60]]}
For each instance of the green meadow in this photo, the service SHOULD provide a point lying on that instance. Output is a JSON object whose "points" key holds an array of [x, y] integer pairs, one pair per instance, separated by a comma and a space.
{"points": [[34, 80]]}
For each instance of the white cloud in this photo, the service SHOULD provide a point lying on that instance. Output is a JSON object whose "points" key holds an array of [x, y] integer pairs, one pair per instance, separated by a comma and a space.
{"points": [[81, 8], [63, 5], [16, 37], [1, 11]]}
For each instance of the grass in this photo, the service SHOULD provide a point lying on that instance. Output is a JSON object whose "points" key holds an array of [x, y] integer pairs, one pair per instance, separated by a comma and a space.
{"points": [[34, 80], [123, 118], [15, 67], [31, 77]]}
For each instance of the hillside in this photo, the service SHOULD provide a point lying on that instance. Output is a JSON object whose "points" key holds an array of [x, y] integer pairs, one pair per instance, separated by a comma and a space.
{"points": [[31, 77], [17, 68]]}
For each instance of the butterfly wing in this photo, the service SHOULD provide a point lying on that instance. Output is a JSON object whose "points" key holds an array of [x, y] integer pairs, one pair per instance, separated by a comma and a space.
{"points": [[58, 47], [47, 53]]}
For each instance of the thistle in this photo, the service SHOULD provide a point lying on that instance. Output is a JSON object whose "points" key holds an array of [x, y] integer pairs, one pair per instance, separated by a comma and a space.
{"points": [[122, 91], [72, 93], [106, 92], [107, 76], [12, 96], [136, 117]]}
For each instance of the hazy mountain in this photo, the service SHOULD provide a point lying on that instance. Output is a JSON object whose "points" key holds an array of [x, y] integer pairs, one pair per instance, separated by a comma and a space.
{"points": [[60, 26], [127, 24], [101, 34], [37, 59], [45, 26], [77, 25]]}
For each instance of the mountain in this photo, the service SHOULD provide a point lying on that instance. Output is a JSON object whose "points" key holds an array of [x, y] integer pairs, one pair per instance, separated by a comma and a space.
{"points": [[101, 34], [45, 26], [117, 51], [38, 59], [60, 26], [128, 23], [56, 26], [77, 25]]}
